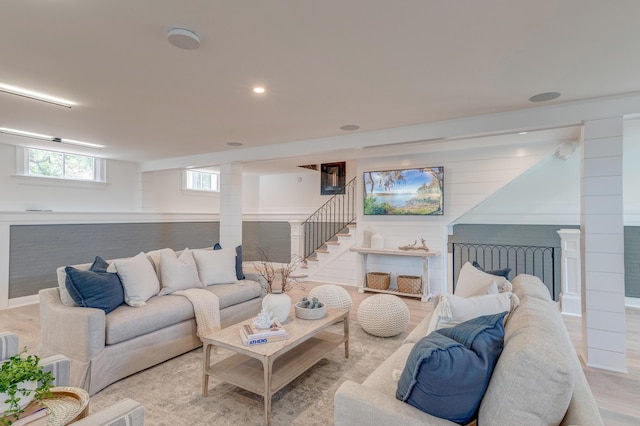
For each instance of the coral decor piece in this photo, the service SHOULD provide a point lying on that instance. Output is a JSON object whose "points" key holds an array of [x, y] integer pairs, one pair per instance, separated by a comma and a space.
{"points": [[263, 320], [414, 247]]}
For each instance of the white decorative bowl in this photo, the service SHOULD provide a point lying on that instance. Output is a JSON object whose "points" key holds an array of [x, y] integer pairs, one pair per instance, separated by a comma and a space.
{"points": [[311, 314]]}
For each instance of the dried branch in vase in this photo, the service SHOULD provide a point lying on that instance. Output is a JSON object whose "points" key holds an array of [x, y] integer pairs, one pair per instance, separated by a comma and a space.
{"points": [[278, 277]]}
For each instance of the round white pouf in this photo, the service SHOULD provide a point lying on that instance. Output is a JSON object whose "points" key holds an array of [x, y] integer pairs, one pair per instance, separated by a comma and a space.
{"points": [[333, 296], [383, 315]]}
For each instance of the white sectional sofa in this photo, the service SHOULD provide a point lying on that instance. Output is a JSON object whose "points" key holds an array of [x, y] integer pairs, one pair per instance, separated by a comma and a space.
{"points": [[538, 379], [106, 347]]}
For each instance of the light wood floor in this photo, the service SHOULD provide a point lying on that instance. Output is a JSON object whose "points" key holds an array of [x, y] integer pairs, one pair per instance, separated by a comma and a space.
{"points": [[617, 394]]}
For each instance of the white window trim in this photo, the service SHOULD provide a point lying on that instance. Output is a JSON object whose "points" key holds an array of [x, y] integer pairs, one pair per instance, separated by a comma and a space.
{"points": [[185, 188], [22, 166]]}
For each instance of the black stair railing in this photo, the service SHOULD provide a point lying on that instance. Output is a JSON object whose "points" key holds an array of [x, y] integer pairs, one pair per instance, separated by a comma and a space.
{"points": [[326, 222]]}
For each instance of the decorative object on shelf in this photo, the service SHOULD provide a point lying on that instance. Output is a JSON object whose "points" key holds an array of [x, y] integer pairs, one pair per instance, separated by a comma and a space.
{"points": [[409, 284], [366, 236], [413, 246], [21, 380], [263, 320], [378, 280], [377, 241], [383, 315], [310, 309]]}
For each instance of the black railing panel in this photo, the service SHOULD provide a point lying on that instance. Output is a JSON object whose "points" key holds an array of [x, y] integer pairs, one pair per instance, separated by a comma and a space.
{"points": [[532, 260], [326, 222]]}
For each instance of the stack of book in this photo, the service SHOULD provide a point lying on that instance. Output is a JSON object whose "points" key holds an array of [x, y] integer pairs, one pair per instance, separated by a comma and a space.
{"points": [[251, 335]]}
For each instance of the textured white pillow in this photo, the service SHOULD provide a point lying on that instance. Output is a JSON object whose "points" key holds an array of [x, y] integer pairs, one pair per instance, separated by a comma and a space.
{"points": [[178, 273], [216, 266], [452, 310], [474, 282], [139, 279]]}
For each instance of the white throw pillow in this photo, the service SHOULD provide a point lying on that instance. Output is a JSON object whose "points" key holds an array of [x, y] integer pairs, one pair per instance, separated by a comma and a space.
{"points": [[139, 279], [178, 273], [474, 282], [452, 310], [216, 266]]}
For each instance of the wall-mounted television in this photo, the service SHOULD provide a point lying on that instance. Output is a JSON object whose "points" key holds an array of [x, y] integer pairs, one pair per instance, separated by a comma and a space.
{"points": [[418, 191]]}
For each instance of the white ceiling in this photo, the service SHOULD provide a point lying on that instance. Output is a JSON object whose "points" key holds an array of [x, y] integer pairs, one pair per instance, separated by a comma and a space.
{"points": [[375, 63]]}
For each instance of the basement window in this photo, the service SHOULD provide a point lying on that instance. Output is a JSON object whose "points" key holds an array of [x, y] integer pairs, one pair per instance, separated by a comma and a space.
{"points": [[198, 180], [60, 165]]}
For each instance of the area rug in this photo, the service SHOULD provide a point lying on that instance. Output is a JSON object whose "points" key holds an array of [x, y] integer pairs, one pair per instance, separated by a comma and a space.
{"points": [[171, 391]]}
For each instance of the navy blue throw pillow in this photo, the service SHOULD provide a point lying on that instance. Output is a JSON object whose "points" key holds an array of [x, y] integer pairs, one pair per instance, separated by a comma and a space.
{"points": [[239, 272], [99, 265], [498, 272], [448, 371], [102, 290]]}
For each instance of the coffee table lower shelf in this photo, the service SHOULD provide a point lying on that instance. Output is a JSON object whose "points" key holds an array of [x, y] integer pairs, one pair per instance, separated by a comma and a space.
{"points": [[248, 373]]}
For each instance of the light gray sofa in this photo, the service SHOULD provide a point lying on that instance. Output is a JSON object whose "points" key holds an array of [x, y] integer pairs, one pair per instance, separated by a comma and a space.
{"points": [[538, 379], [104, 348]]}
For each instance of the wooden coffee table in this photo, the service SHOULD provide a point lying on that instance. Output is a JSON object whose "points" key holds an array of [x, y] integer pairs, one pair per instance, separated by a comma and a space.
{"points": [[266, 368]]}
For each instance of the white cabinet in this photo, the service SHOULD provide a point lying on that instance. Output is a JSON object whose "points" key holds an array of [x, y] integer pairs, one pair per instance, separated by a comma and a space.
{"points": [[418, 255]]}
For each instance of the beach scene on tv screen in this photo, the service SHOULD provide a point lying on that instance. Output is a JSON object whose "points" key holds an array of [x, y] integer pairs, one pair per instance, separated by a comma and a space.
{"points": [[404, 192]]}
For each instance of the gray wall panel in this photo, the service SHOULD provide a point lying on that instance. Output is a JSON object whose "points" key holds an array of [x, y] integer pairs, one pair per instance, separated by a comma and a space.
{"points": [[632, 261], [36, 251]]}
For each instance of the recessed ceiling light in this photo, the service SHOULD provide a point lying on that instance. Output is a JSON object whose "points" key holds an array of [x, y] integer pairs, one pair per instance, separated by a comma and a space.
{"points": [[523, 133], [183, 39], [349, 127], [544, 97], [26, 93], [32, 135], [234, 143], [259, 90]]}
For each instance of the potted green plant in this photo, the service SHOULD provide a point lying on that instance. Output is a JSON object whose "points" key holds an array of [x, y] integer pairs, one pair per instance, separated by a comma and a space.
{"points": [[22, 379]]}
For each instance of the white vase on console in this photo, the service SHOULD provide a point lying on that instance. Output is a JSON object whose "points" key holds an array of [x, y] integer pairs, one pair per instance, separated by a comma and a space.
{"points": [[279, 304], [377, 241]]}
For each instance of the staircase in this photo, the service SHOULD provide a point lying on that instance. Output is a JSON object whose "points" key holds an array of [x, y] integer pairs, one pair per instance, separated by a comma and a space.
{"points": [[328, 234]]}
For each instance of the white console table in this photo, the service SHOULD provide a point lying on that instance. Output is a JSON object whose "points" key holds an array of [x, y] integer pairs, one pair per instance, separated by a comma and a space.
{"points": [[425, 255]]}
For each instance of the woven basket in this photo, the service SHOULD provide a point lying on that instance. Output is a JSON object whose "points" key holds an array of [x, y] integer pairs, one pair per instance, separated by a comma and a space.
{"points": [[409, 284], [378, 280]]}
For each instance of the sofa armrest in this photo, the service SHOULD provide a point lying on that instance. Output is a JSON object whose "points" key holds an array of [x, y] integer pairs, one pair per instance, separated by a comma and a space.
{"points": [[355, 404], [8, 345], [60, 367], [76, 332], [124, 412]]}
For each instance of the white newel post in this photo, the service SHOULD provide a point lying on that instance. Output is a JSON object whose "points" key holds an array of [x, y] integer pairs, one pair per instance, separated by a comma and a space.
{"points": [[297, 239], [571, 300]]}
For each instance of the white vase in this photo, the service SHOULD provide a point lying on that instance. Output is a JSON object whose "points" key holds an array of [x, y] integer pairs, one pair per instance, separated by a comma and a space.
{"points": [[279, 304], [377, 241], [24, 399]]}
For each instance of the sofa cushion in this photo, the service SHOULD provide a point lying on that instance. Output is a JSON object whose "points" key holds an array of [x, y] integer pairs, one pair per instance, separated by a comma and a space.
{"points": [[447, 372], [453, 310], [238, 292], [127, 322], [239, 271], [178, 273], [89, 289], [535, 366], [139, 279], [474, 282], [216, 266]]}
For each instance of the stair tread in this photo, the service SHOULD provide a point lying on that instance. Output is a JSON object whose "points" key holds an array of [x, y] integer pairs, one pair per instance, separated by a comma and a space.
{"points": [[333, 243]]}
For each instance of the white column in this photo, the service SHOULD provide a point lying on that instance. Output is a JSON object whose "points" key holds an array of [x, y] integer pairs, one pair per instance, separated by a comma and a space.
{"points": [[5, 243], [571, 271], [230, 205], [603, 309]]}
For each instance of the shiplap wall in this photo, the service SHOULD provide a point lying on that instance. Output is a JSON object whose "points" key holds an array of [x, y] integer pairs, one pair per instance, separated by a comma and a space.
{"points": [[470, 176]]}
